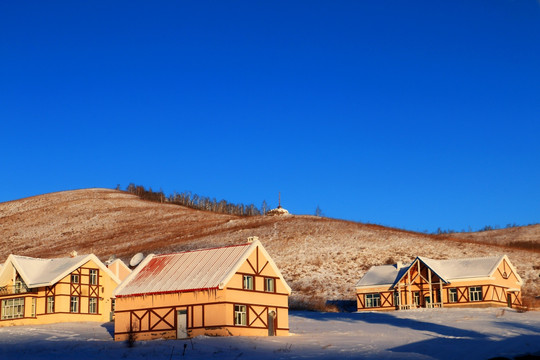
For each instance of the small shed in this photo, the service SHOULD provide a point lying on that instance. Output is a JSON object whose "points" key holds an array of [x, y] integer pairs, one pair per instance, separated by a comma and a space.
{"points": [[231, 290]]}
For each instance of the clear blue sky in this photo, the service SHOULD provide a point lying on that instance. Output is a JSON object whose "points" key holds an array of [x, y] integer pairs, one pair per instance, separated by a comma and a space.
{"points": [[415, 115]]}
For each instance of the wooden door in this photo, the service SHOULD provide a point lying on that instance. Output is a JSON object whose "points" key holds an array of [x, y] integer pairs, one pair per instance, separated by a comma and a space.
{"points": [[272, 323]]}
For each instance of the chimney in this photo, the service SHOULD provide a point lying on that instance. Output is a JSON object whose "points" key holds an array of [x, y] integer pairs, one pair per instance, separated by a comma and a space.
{"points": [[73, 254], [252, 239], [399, 265]]}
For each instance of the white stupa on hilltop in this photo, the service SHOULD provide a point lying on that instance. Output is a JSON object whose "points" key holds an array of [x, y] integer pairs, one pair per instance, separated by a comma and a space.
{"points": [[279, 211]]}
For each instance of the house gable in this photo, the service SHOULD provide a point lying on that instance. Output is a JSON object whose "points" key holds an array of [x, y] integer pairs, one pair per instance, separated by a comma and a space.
{"points": [[506, 273], [260, 267], [257, 263]]}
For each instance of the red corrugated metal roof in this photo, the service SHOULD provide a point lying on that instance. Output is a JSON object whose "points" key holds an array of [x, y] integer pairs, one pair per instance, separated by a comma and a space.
{"points": [[186, 271]]}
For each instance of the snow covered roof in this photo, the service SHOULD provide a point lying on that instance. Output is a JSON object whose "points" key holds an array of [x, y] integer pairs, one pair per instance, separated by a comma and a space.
{"points": [[205, 269], [454, 269], [382, 275], [46, 272], [448, 270]]}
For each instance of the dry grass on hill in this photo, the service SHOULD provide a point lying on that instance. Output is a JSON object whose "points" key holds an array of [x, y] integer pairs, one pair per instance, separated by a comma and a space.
{"points": [[321, 258]]}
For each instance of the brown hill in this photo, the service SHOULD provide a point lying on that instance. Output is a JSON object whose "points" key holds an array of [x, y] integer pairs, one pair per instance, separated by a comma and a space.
{"points": [[319, 257]]}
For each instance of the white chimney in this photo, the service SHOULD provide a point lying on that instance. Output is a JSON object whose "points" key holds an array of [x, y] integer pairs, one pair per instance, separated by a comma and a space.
{"points": [[399, 265], [252, 239], [73, 254]]}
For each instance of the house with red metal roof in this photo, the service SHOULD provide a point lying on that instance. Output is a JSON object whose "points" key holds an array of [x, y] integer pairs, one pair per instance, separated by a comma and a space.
{"points": [[430, 283], [231, 290]]}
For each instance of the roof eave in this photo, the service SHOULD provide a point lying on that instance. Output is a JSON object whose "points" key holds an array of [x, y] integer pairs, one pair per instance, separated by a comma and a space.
{"points": [[167, 292]]}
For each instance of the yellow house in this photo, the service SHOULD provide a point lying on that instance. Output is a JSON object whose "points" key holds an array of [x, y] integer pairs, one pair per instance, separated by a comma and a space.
{"points": [[232, 290], [478, 282], [43, 291]]}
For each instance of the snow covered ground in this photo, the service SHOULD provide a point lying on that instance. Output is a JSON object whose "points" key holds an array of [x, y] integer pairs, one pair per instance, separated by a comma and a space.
{"points": [[414, 334]]}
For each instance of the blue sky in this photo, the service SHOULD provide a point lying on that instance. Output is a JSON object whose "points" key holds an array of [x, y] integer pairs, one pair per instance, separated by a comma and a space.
{"points": [[415, 115]]}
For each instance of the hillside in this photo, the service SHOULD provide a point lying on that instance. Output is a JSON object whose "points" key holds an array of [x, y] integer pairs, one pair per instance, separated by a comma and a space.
{"points": [[519, 236], [318, 256]]}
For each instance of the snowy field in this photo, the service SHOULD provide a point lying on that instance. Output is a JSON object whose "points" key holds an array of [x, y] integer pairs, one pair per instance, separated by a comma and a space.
{"points": [[414, 334]]}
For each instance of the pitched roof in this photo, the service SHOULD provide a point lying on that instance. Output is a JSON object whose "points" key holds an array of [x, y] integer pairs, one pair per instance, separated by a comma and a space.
{"points": [[206, 269], [448, 270], [454, 269], [382, 275], [46, 272]]}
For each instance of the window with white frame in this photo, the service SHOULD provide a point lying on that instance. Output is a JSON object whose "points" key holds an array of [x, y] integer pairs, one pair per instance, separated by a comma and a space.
{"points": [[452, 295], [397, 299], [12, 308], [50, 304], [240, 317], [74, 278], [74, 304], [373, 300], [248, 282], [269, 285], [93, 277], [33, 312], [416, 298], [92, 305], [475, 293], [20, 285]]}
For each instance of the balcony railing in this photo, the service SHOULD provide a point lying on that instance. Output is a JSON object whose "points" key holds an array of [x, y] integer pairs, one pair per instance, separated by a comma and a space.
{"points": [[13, 290], [434, 305]]}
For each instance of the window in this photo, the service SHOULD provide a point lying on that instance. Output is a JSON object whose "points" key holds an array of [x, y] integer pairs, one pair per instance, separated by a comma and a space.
{"points": [[113, 304], [397, 299], [240, 315], [248, 282], [269, 285], [74, 304], [20, 285], [475, 293], [50, 304], [373, 300], [93, 277], [74, 278], [33, 313], [416, 298], [452, 295], [12, 308], [92, 305]]}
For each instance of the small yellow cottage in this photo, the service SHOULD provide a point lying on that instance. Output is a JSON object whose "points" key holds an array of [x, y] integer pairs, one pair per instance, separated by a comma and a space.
{"points": [[43, 291], [232, 290], [479, 282]]}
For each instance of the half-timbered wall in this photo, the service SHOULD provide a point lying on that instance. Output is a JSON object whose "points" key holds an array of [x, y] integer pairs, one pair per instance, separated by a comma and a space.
{"points": [[495, 290], [209, 312], [62, 292]]}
